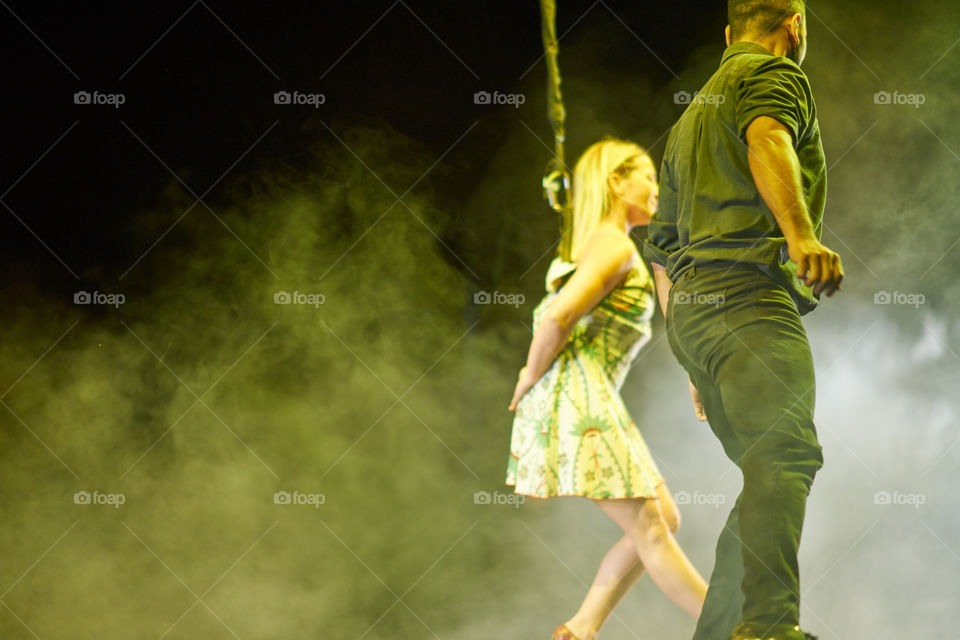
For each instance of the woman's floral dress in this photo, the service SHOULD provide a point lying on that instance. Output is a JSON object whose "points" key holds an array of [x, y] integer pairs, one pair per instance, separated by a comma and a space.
{"points": [[572, 435]]}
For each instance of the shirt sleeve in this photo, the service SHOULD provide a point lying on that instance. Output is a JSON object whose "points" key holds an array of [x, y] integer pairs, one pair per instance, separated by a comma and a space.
{"points": [[662, 237], [779, 89]]}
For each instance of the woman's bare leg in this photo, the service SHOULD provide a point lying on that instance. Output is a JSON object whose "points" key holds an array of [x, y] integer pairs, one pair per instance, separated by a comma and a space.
{"points": [[644, 521], [619, 571]]}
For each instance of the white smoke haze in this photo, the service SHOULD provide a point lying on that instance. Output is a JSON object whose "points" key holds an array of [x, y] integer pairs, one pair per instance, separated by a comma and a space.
{"points": [[389, 398]]}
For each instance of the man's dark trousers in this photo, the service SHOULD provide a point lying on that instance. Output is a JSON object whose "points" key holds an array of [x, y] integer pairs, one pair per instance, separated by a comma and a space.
{"points": [[739, 336]]}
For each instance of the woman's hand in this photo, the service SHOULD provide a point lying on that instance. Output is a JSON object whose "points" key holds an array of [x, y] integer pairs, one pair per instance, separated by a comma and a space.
{"points": [[604, 263], [524, 382], [697, 403]]}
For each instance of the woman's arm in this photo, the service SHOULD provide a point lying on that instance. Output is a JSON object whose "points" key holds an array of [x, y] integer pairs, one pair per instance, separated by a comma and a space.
{"points": [[604, 263]]}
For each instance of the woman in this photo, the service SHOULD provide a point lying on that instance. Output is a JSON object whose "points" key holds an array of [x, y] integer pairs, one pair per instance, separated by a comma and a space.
{"points": [[572, 435]]}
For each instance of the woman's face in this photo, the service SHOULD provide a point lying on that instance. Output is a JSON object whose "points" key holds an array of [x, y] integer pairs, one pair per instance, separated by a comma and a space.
{"points": [[640, 192]]}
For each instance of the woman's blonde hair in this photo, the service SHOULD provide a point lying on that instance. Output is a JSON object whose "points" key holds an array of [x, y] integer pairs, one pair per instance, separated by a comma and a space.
{"points": [[591, 196]]}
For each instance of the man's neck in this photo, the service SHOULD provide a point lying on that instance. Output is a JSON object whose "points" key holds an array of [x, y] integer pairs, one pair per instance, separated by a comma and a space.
{"points": [[776, 46]]}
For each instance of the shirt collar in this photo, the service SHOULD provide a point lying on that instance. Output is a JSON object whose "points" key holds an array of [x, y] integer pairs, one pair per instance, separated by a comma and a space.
{"points": [[744, 47]]}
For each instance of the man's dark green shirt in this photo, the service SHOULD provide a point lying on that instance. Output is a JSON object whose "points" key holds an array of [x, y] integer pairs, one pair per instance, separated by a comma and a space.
{"points": [[710, 210]]}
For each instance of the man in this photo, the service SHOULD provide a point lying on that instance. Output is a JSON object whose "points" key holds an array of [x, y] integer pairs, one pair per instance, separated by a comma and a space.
{"points": [[736, 253]]}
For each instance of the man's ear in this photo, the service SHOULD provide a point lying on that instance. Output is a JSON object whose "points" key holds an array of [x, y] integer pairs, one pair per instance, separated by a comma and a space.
{"points": [[727, 34], [793, 27]]}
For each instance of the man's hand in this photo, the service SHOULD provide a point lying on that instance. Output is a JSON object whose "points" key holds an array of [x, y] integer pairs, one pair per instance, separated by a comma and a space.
{"points": [[817, 265], [697, 403]]}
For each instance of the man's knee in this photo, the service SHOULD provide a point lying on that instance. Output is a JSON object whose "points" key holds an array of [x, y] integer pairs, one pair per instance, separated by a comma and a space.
{"points": [[777, 453]]}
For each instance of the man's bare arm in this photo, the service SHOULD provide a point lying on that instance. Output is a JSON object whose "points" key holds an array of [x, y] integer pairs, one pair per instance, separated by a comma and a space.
{"points": [[663, 285], [776, 171], [663, 292]]}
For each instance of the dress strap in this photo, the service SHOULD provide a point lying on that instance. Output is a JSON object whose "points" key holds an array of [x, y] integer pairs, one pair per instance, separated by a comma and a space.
{"points": [[559, 269]]}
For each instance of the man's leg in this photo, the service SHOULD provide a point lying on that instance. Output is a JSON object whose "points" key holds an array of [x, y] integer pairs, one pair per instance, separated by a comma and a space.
{"points": [[749, 355], [764, 372], [723, 607]]}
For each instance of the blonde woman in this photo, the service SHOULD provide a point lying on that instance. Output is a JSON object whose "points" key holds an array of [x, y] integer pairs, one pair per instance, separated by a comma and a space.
{"points": [[572, 435]]}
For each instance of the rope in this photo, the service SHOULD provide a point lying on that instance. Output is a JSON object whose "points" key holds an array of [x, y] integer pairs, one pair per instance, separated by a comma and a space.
{"points": [[556, 179]]}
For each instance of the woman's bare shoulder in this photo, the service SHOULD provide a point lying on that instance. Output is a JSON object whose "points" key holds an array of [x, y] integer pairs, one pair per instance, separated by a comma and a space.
{"points": [[609, 244]]}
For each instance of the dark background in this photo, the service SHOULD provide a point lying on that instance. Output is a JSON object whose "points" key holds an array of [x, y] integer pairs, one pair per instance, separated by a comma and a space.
{"points": [[199, 93]]}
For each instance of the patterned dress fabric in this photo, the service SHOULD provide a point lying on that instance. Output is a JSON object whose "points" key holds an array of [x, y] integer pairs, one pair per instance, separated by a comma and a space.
{"points": [[572, 435]]}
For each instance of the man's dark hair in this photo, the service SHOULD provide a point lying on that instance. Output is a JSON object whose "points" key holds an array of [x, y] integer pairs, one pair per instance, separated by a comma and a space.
{"points": [[759, 17]]}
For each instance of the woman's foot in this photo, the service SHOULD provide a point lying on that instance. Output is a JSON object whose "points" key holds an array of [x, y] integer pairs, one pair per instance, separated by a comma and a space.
{"points": [[563, 632]]}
